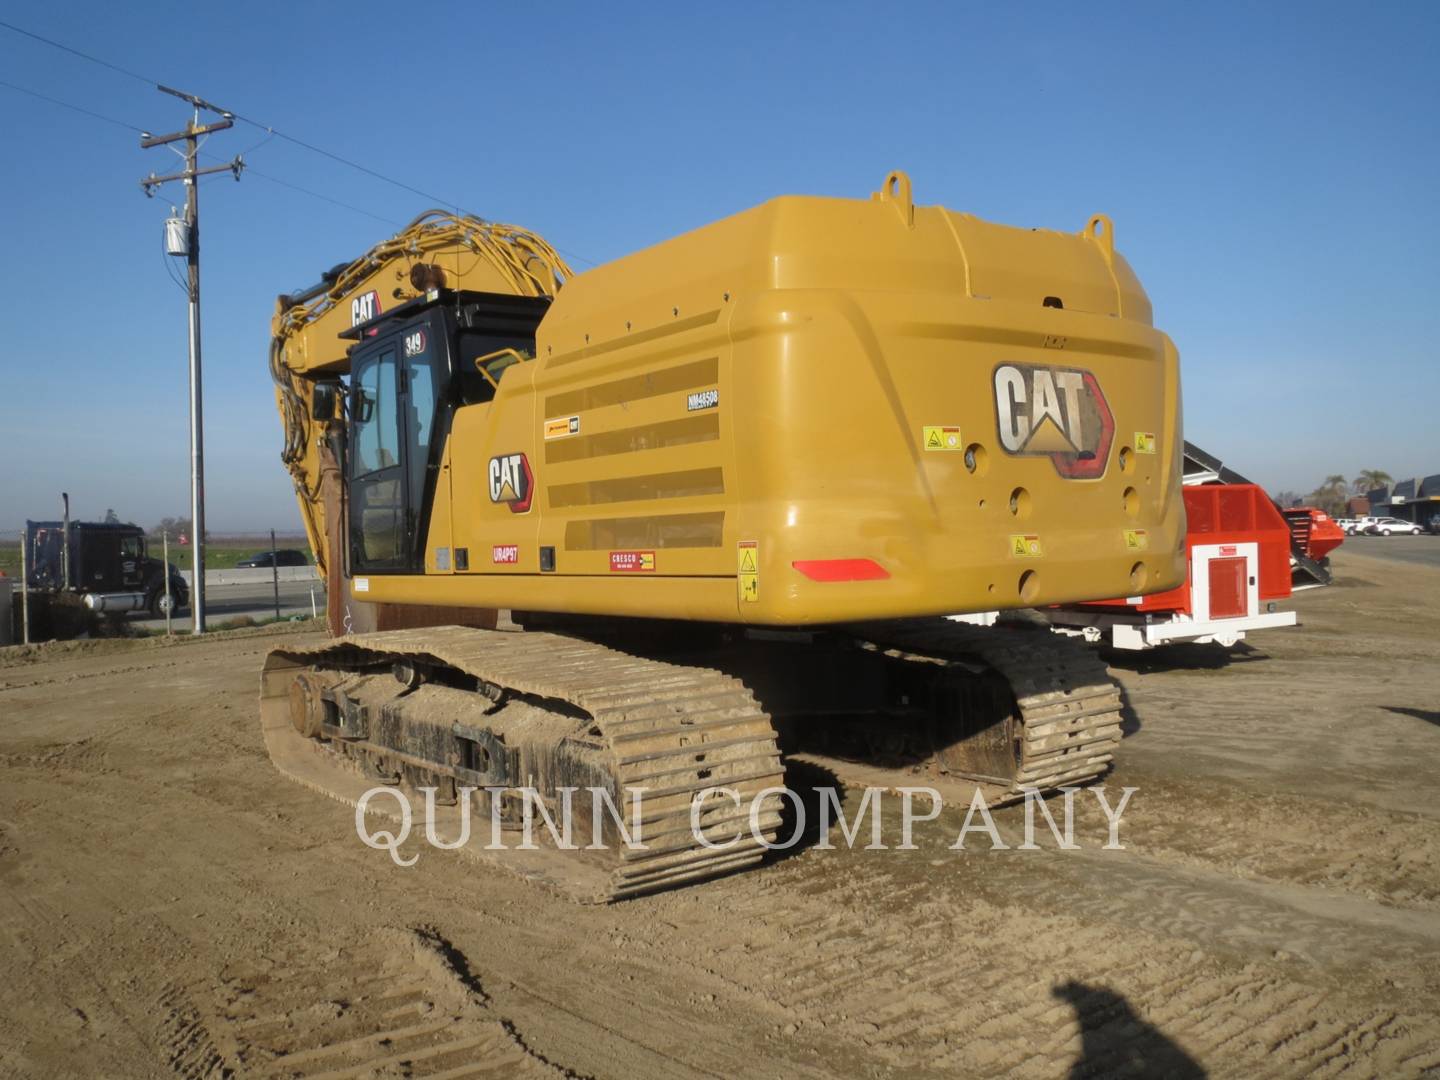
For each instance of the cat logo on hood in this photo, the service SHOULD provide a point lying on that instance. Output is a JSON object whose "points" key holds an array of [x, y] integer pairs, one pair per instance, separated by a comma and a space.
{"points": [[1060, 413]]}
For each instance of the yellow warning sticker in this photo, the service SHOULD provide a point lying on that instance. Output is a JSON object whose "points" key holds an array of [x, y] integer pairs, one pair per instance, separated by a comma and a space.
{"points": [[747, 565], [562, 427], [941, 438], [1026, 546], [1136, 539], [1144, 442]]}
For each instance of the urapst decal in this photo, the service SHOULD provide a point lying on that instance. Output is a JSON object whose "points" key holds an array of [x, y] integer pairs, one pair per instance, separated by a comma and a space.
{"points": [[1059, 413], [511, 482], [705, 399], [562, 427], [415, 342], [505, 554], [632, 562], [364, 307]]}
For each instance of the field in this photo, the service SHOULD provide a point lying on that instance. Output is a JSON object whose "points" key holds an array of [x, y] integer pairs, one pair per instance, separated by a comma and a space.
{"points": [[169, 905], [221, 553]]}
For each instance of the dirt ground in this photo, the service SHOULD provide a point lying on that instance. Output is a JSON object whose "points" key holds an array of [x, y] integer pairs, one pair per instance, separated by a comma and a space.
{"points": [[169, 905]]}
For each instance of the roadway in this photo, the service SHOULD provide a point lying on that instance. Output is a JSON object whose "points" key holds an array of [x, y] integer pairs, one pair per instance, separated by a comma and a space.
{"points": [[1424, 549], [254, 599]]}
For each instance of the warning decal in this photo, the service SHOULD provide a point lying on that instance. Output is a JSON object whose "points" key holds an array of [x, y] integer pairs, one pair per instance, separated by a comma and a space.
{"points": [[747, 563], [941, 438], [1144, 442], [632, 562], [1136, 539], [1026, 546]]}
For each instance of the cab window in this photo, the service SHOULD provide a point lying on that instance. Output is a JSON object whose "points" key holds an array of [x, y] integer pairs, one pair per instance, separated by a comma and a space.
{"points": [[474, 387]]}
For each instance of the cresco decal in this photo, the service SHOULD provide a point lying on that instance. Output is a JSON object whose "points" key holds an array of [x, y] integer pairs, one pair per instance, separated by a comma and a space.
{"points": [[632, 562], [511, 482], [1059, 413]]}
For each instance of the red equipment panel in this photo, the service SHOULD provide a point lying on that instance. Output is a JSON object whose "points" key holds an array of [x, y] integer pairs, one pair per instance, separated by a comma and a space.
{"points": [[1227, 514], [1227, 588]]}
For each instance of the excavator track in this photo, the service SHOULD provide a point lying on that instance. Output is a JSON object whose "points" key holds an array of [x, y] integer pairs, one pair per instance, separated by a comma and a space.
{"points": [[1066, 719], [628, 722], [1015, 710]]}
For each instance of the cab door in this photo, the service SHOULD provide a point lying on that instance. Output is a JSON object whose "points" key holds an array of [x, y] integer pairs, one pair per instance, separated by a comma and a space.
{"points": [[390, 468]]}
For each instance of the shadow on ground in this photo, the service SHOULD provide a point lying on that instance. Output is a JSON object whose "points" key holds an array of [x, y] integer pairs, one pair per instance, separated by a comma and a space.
{"points": [[1430, 716], [1116, 1042], [1182, 657]]}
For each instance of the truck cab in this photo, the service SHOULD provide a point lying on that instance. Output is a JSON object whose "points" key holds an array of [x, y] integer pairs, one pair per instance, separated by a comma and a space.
{"points": [[109, 567]]}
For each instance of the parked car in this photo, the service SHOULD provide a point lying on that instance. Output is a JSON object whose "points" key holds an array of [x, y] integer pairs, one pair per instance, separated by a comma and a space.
{"points": [[1387, 526], [267, 559], [1347, 525]]}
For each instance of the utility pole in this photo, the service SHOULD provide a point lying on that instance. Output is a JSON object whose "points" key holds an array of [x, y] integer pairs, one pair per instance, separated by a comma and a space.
{"points": [[65, 541], [190, 248]]}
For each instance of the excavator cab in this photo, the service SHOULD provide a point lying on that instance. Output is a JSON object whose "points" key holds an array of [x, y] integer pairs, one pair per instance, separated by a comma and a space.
{"points": [[410, 369]]}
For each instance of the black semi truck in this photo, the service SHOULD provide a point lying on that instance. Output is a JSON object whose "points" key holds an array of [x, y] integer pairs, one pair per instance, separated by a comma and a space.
{"points": [[110, 572]]}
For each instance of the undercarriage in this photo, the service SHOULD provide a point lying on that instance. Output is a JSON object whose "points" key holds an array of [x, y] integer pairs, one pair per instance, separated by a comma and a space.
{"points": [[631, 731]]}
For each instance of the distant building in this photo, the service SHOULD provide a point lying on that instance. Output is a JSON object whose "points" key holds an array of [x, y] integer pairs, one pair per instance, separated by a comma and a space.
{"points": [[1416, 500], [1358, 506]]}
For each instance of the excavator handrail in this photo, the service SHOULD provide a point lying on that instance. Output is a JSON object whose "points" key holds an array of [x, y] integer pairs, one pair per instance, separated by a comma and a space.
{"points": [[482, 363]]}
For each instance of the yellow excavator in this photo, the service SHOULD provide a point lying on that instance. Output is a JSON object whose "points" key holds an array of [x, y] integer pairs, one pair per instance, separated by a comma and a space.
{"points": [[670, 524]]}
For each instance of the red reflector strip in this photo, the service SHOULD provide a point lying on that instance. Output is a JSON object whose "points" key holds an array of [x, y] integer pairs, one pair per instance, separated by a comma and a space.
{"points": [[841, 569]]}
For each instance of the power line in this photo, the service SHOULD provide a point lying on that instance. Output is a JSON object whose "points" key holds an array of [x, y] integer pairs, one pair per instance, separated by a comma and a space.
{"points": [[267, 128], [72, 108], [76, 52], [250, 169], [317, 195], [272, 132]]}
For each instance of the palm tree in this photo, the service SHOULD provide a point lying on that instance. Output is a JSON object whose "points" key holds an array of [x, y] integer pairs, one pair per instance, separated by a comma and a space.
{"points": [[1330, 496], [1370, 479]]}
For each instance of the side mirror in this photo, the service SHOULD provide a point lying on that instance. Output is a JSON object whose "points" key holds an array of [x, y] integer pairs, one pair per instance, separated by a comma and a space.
{"points": [[324, 400]]}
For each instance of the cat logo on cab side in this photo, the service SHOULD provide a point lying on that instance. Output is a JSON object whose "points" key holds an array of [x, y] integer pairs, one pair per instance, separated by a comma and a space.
{"points": [[511, 482]]}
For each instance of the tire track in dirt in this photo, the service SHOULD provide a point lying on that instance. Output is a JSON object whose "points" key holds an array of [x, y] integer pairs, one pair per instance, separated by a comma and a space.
{"points": [[1029, 968], [1380, 855], [396, 1003]]}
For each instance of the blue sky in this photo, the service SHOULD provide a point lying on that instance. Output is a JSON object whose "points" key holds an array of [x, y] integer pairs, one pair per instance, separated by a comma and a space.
{"points": [[1271, 169]]}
